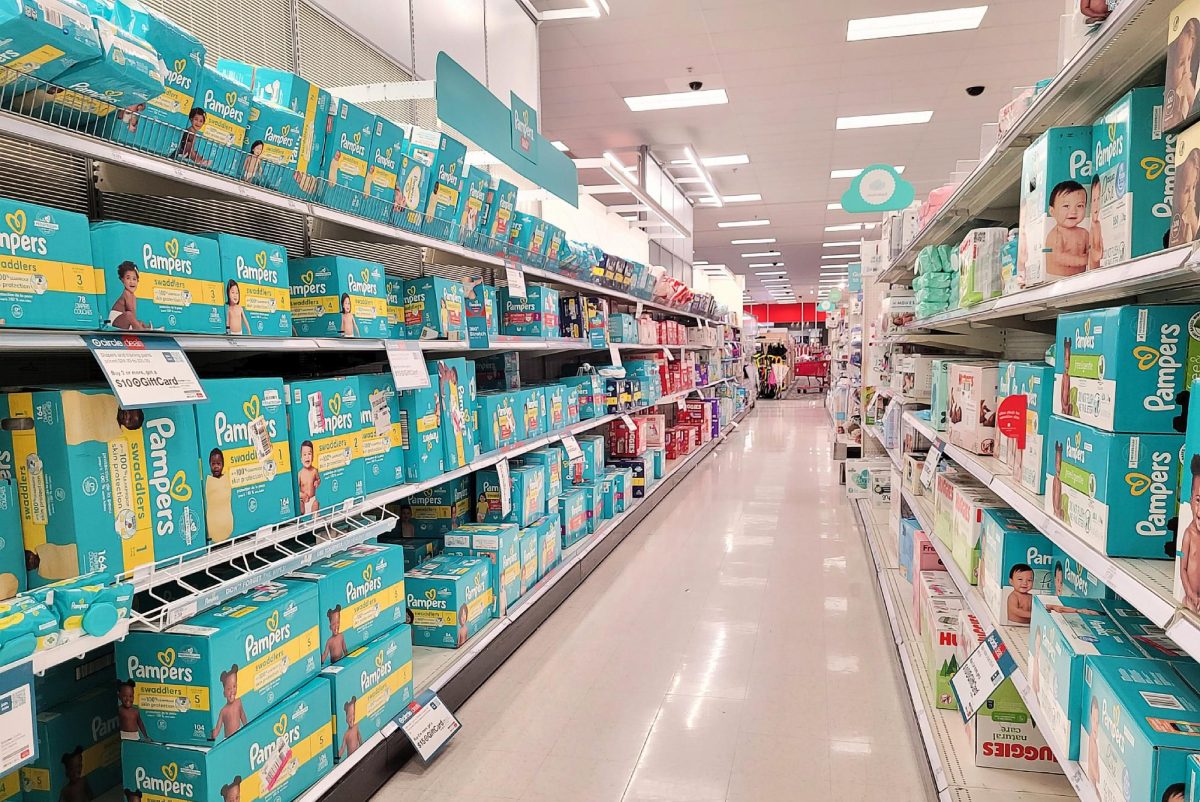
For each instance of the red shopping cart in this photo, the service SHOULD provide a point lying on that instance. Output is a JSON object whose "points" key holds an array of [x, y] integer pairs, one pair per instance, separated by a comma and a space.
{"points": [[812, 374]]}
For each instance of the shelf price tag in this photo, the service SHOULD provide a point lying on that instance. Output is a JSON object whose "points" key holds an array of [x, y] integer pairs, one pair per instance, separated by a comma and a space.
{"points": [[929, 469], [614, 353], [628, 421], [146, 371], [407, 364], [981, 674], [574, 451], [667, 354], [428, 724], [16, 717], [503, 478], [515, 277]]}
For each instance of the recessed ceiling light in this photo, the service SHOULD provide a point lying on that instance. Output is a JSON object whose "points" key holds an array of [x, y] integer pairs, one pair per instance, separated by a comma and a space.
{"points": [[760, 253], [881, 120], [833, 207], [744, 223], [558, 143], [718, 161], [839, 244], [689, 179], [850, 227], [767, 280], [677, 100], [763, 241], [952, 19], [691, 154], [855, 171]]}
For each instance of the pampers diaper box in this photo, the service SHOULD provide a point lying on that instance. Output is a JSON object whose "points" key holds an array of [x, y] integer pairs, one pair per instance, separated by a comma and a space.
{"points": [[415, 176], [433, 309], [245, 456], [42, 40], [152, 279], [326, 455], [1119, 492], [437, 510], [527, 495], [361, 596], [1055, 223], [421, 424], [394, 287], [1017, 564], [527, 547], [1123, 369], [1187, 563], [457, 383], [1034, 380], [338, 296], [450, 598], [202, 680], [471, 201], [347, 155], [383, 170], [274, 137], [79, 750], [255, 286], [12, 547], [101, 488], [273, 758], [446, 180], [1131, 197], [381, 433], [549, 542], [370, 687], [498, 544], [1185, 205], [46, 275], [1181, 101], [225, 104], [501, 207]]}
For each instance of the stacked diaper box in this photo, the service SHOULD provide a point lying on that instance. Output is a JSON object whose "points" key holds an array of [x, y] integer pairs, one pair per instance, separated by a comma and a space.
{"points": [[1029, 385], [971, 406], [339, 296], [1055, 218]]}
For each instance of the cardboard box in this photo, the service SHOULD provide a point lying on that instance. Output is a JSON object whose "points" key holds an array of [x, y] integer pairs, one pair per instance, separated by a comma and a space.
{"points": [[1017, 563], [1055, 216], [972, 407], [450, 598], [337, 296], [496, 543]]}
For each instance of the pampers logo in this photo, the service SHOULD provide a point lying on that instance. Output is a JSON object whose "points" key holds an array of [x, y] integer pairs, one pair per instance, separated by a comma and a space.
{"points": [[385, 159], [1074, 451], [285, 137], [159, 433], [362, 284], [227, 108], [308, 285], [1105, 154], [176, 76], [447, 174], [165, 671], [1156, 167], [228, 433], [290, 735], [258, 271], [428, 601], [168, 785], [276, 634], [353, 144], [369, 679], [336, 420], [169, 264], [1158, 511], [1087, 340], [15, 240], [370, 584], [1164, 358]]}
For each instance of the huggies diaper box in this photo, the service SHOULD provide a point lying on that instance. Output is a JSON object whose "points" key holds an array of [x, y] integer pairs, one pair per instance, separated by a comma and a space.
{"points": [[438, 510], [274, 758], [152, 279], [930, 585], [101, 488], [347, 154], [1124, 369], [420, 417], [361, 596], [1017, 563], [939, 623], [1116, 491], [324, 430], [79, 750], [370, 686], [450, 598], [42, 40], [970, 503], [337, 296], [433, 309], [255, 286], [381, 436], [203, 680], [496, 543], [46, 275], [1055, 222]]}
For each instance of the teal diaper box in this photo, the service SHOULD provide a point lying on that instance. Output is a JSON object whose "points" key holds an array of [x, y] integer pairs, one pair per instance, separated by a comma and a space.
{"points": [[591, 467], [551, 460], [12, 547], [535, 315], [255, 286], [245, 456], [152, 279], [1016, 564], [456, 380], [205, 679], [527, 548], [1062, 634], [438, 510], [1140, 722], [434, 309], [46, 277], [1055, 217], [549, 542], [79, 750], [338, 296], [1130, 191], [496, 543], [471, 201], [101, 488], [446, 185], [216, 133], [591, 394], [274, 137], [573, 517], [383, 170], [531, 413], [501, 207], [421, 422], [274, 758], [347, 155], [323, 424], [1118, 492], [43, 40], [527, 495], [450, 598], [381, 433], [497, 420], [1034, 380], [1123, 369], [415, 177], [1072, 579], [370, 687], [593, 500], [418, 549], [394, 288], [361, 595]]}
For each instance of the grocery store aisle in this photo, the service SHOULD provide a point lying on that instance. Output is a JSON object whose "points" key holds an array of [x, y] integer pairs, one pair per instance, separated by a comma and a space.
{"points": [[732, 648]]}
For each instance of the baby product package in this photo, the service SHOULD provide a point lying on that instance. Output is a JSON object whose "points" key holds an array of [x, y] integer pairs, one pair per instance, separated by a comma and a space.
{"points": [[1130, 193], [46, 278], [274, 136], [970, 504], [535, 315], [438, 510], [421, 431], [12, 546], [1124, 369], [101, 488], [498, 544], [273, 758], [549, 542], [457, 383], [972, 406], [383, 170], [152, 279], [326, 454], [381, 433], [498, 217], [361, 596], [527, 495], [1185, 201], [1180, 104], [347, 155], [370, 687], [394, 287], [1034, 380], [255, 286], [244, 448], [78, 747], [450, 598], [1187, 551], [572, 512], [215, 136], [445, 186], [471, 201], [43, 40], [1055, 227], [1072, 579], [203, 680], [415, 177], [979, 265], [550, 460], [1116, 491], [338, 296], [433, 309], [497, 420], [1017, 564], [527, 548]]}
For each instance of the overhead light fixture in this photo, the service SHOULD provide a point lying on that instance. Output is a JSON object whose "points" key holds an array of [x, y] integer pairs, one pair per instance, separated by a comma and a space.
{"points": [[718, 161], [850, 227], [763, 241], [733, 198], [839, 256], [764, 264], [882, 120], [952, 19], [839, 244], [677, 100], [760, 253], [773, 280], [833, 207], [771, 272], [592, 9], [700, 171], [560, 145], [698, 263], [853, 173], [744, 223]]}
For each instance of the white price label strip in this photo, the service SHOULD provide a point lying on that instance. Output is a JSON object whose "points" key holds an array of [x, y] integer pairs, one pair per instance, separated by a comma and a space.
{"points": [[407, 363], [667, 354], [428, 724], [574, 451], [18, 737], [614, 353], [503, 478], [628, 421], [929, 469], [981, 674], [146, 371], [515, 277]]}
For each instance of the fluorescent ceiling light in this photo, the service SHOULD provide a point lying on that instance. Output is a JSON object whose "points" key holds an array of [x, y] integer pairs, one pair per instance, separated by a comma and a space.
{"points": [[698, 263], [591, 9], [772, 273], [689, 180], [760, 253], [850, 227], [677, 100], [881, 120], [763, 241], [744, 223], [854, 172], [839, 244], [765, 264], [712, 190], [839, 256], [773, 280], [718, 161], [734, 198], [558, 143], [952, 19]]}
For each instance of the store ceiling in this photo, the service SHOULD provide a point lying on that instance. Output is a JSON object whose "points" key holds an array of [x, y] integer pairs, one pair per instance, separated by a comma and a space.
{"points": [[789, 73]]}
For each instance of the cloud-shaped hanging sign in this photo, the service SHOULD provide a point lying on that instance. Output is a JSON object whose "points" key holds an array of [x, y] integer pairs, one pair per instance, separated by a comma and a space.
{"points": [[878, 188]]}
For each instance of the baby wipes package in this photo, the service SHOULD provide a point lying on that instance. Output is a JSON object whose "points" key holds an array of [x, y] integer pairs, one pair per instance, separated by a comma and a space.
{"points": [[1055, 221], [216, 131], [102, 488], [79, 750], [498, 544], [421, 432], [246, 456], [381, 433], [1123, 369], [274, 757], [370, 687], [347, 154], [323, 426], [255, 286], [206, 679], [383, 171], [46, 275], [26, 626], [153, 279], [361, 596], [338, 296], [43, 40], [86, 605], [979, 265], [450, 598]]}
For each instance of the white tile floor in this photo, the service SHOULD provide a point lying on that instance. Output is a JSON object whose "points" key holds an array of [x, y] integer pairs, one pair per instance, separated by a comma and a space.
{"points": [[732, 648]]}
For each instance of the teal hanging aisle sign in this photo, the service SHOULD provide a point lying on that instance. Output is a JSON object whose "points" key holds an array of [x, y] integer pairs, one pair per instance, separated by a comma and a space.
{"points": [[468, 107], [878, 188]]}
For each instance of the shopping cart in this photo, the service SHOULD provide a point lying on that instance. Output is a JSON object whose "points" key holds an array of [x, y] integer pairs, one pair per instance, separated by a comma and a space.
{"points": [[812, 374]]}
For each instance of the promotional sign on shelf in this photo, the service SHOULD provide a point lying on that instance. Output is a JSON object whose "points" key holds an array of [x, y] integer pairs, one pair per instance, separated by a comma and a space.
{"points": [[981, 674], [929, 469], [18, 736], [503, 477], [428, 724], [1011, 418], [407, 363], [146, 371], [573, 449], [614, 353], [515, 277]]}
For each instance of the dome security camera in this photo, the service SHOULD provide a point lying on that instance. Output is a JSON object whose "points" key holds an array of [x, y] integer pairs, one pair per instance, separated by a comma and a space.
{"points": [[975, 91], [695, 86]]}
